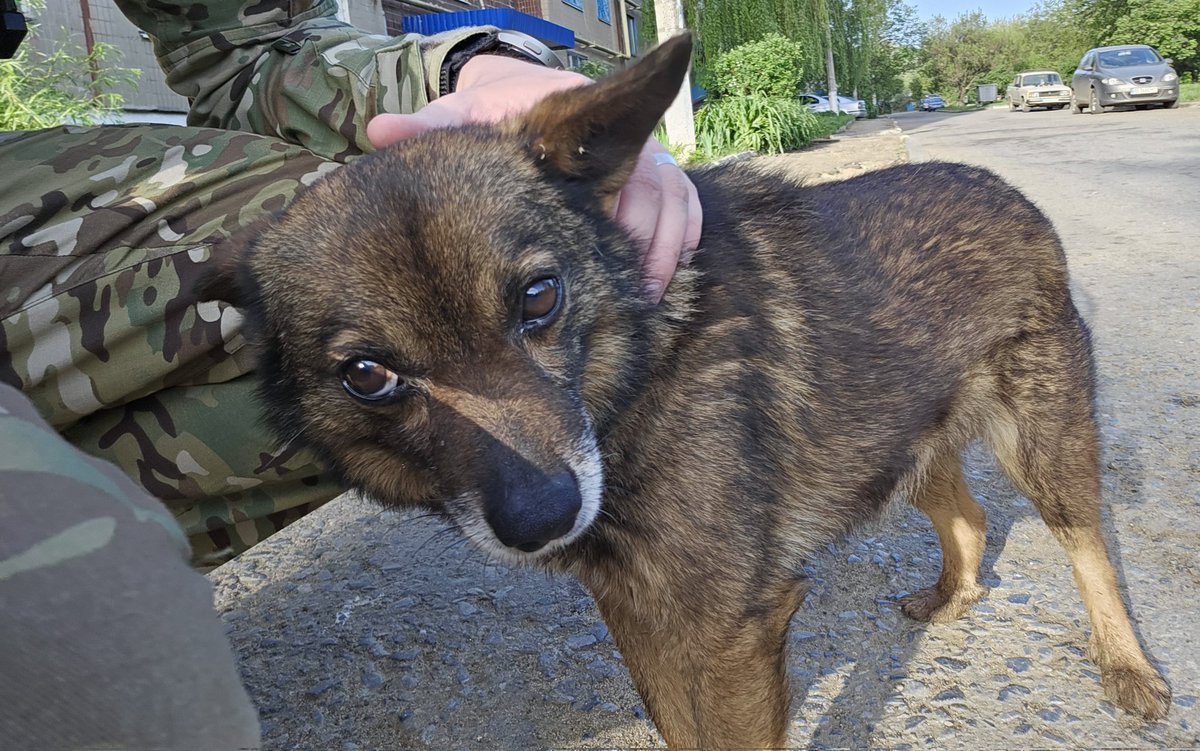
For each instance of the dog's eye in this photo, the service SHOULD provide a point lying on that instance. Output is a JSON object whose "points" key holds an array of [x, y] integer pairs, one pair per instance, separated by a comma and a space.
{"points": [[369, 381], [543, 299]]}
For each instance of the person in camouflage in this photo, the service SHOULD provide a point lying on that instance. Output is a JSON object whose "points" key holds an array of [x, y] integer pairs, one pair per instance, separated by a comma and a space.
{"points": [[104, 230], [110, 637]]}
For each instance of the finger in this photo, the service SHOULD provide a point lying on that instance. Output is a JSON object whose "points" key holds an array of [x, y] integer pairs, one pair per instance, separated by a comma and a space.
{"points": [[695, 223], [663, 257], [386, 129], [639, 202]]}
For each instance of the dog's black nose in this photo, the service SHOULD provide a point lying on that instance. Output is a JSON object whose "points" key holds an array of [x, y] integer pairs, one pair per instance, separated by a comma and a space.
{"points": [[536, 512]]}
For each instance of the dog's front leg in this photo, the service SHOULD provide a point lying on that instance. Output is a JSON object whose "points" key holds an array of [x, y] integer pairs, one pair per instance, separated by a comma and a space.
{"points": [[706, 654]]}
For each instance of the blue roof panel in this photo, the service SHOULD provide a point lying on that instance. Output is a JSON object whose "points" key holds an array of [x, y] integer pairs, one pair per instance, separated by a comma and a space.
{"points": [[504, 18]]}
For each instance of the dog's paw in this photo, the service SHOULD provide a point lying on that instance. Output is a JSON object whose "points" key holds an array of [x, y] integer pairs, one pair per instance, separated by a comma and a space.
{"points": [[932, 606], [1139, 691]]}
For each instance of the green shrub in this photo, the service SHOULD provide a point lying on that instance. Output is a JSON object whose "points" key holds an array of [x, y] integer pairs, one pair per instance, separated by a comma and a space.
{"points": [[768, 125], [769, 67], [40, 91], [593, 69]]}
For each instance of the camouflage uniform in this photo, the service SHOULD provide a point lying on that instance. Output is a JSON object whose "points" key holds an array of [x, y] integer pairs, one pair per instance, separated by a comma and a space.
{"points": [[109, 637], [102, 232]]}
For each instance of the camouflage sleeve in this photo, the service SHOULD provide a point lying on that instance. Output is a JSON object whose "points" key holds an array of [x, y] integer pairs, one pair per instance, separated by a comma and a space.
{"points": [[103, 234], [110, 638], [289, 68]]}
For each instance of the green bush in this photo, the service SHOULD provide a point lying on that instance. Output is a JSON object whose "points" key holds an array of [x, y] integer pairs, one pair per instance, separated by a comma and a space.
{"points": [[593, 69], [40, 91], [769, 67], [768, 125]]}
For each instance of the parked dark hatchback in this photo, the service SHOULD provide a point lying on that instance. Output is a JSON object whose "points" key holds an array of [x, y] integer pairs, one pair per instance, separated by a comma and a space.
{"points": [[1129, 75]]}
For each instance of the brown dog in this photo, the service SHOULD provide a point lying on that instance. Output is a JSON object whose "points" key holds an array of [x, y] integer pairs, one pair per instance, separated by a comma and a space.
{"points": [[456, 323]]}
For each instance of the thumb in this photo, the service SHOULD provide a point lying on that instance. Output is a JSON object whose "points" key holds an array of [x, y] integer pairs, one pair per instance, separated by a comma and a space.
{"points": [[387, 129]]}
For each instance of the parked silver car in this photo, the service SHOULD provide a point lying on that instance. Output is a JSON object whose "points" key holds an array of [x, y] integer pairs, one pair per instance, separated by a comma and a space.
{"points": [[846, 105], [1128, 75]]}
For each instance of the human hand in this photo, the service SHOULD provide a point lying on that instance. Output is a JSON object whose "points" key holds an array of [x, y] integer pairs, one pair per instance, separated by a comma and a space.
{"points": [[659, 205]]}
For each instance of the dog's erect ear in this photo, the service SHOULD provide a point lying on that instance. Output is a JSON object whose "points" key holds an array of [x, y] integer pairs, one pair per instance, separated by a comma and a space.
{"points": [[595, 133]]}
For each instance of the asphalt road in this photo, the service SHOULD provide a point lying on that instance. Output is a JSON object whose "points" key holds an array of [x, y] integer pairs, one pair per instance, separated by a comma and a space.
{"points": [[361, 629]]}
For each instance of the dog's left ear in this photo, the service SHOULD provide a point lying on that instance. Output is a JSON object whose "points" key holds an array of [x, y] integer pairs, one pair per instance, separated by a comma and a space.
{"points": [[595, 133]]}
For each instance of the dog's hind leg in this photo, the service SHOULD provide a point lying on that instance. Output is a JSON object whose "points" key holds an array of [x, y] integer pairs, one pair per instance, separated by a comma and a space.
{"points": [[961, 529], [1048, 445]]}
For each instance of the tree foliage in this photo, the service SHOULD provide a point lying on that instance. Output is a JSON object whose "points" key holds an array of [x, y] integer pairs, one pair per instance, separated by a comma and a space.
{"points": [[1170, 26], [960, 53], [867, 51]]}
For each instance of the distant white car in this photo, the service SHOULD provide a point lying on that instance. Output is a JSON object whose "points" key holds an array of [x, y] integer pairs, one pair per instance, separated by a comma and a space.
{"points": [[856, 107], [846, 105], [814, 102]]}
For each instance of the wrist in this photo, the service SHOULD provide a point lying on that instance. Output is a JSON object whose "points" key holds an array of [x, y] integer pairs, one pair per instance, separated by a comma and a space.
{"points": [[499, 45], [483, 70]]}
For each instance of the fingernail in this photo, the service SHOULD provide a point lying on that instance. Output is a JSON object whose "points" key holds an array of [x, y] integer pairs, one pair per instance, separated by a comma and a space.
{"points": [[652, 289]]}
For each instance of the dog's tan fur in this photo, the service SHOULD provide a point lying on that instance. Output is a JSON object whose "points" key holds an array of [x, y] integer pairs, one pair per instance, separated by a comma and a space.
{"points": [[830, 348]]}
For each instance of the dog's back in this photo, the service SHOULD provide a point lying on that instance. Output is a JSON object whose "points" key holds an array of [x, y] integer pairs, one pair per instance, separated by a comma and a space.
{"points": [[855, 324]]}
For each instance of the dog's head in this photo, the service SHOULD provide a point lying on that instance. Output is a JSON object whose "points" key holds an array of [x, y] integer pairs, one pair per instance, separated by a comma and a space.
{"points": [[448, 322]]}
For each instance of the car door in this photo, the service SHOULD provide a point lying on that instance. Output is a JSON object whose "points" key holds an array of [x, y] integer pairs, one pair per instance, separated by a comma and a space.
{"points": [[1014, 91], [1081, 80]]}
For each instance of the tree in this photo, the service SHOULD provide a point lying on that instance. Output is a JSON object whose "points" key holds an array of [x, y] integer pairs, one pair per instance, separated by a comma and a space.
{"points": [[959, 54], [842, 42], [1170, 26]]}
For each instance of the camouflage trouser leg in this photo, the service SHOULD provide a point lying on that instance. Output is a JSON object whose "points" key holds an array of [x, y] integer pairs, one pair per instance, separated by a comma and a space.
{"points": [[108, 637], [102, 233]]}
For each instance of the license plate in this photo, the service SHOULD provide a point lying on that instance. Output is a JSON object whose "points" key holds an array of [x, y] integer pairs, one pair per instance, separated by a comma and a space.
{"points": [[1143, 90]]}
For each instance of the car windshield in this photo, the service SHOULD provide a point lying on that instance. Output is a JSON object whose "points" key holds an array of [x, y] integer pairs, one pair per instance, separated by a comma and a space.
{"points": [[1123, 58], [1041, 79]]}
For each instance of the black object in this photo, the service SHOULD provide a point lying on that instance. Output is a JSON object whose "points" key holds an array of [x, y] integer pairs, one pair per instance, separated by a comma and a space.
{"points": [[12, 28]]}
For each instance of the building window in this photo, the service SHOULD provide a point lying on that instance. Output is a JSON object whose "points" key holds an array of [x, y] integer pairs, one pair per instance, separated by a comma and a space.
{"points": [[633, 35], [603, 11], [574, 3]]}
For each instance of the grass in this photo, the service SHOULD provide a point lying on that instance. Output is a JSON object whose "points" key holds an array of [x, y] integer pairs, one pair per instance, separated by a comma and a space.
{"points": [[759, 126], [1189, 92], [829, 123]]}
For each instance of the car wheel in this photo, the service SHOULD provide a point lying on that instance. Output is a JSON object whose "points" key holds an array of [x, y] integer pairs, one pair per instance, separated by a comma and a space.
{"points": [[1025, 106], [1173, 104], [1094, 106], [1012, 106]]}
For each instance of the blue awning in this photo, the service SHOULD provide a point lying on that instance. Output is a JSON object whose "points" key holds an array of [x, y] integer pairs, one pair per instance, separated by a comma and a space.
{"points": [[552, 34]]}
